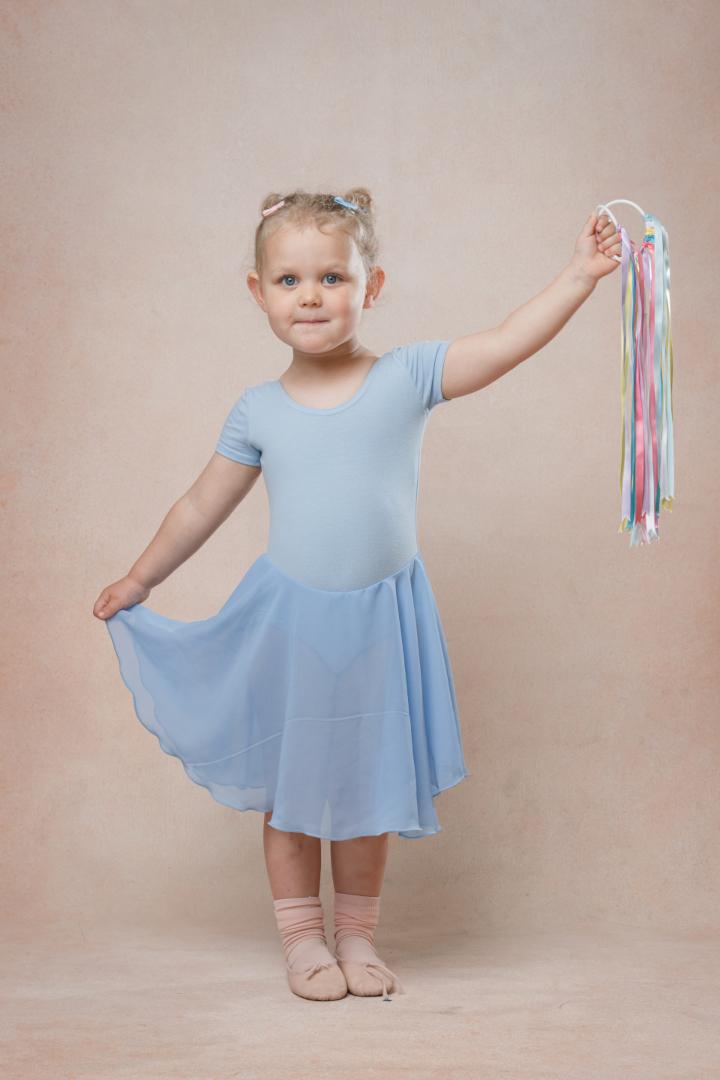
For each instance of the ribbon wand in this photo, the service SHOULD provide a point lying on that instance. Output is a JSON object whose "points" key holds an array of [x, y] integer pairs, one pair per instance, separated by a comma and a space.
{"points": [[647, 455]]}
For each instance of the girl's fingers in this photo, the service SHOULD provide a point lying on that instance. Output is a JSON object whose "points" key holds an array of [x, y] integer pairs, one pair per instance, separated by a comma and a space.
{"points": [[614, 238]]}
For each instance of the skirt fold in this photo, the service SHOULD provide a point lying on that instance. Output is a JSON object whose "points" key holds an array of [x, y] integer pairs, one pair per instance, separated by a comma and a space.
{"points": [[335, 710]]}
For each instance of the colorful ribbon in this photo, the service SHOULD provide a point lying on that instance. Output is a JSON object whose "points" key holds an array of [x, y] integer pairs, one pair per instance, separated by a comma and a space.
{"points": [[647, 457]]}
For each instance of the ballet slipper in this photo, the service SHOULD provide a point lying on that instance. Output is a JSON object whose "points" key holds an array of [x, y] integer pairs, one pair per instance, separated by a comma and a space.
{"points": [[356, 918], [312, 970]]}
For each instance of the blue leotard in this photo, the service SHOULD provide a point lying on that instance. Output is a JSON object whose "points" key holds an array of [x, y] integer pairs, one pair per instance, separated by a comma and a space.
{"points": [[342, 482]]}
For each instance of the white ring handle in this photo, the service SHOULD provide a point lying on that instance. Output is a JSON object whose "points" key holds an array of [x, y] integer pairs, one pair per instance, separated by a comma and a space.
{"points": [[613, 202]]}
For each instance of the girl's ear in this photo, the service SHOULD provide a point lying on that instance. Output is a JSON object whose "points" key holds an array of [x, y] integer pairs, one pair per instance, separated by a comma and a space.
{"points": [[253, 284], [375, 282]]}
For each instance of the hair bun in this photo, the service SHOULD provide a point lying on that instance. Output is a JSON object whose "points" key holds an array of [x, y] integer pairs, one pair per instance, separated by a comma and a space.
{"points": [[360, 196], [270, 200]]}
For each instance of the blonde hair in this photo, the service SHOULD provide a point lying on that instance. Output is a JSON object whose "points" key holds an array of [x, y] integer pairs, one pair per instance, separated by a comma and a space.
{"points": [[303, 208]]}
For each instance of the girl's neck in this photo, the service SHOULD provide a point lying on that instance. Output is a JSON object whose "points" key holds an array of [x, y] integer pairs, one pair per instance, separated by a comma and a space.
{"points": [[347, 357]]}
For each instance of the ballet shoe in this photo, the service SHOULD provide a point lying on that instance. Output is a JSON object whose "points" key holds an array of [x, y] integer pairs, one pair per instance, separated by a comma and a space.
{"points": [[370, 979], [366, 975], [312, 970], [323, 981]]}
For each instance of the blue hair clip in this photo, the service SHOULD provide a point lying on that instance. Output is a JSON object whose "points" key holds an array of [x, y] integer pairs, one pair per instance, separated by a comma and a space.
{"points": [[344, 202]]}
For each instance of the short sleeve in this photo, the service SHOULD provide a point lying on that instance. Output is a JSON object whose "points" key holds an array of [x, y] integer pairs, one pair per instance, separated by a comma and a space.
{"points": [[425, 361], [234, 441]]}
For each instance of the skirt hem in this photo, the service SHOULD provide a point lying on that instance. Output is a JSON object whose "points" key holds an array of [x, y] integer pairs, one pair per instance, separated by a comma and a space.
{"points": [[415, 828]]}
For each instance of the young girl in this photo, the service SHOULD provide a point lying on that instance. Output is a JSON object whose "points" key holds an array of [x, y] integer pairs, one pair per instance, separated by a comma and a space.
{"points": [[321, 694]]}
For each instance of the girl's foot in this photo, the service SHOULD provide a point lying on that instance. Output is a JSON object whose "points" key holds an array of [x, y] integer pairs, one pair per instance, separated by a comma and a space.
{"points": [[312, 970], [356, 918]]}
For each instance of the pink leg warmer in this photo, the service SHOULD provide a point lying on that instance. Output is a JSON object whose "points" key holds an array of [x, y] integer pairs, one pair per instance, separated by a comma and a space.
{"points": [[313, 971], [356, 918]]}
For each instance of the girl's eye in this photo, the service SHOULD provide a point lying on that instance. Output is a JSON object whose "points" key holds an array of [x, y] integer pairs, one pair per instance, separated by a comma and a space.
{"points": [[329, 274]]}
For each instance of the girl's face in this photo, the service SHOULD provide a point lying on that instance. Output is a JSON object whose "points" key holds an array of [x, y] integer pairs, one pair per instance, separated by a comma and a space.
{"points": [[313, 287]]}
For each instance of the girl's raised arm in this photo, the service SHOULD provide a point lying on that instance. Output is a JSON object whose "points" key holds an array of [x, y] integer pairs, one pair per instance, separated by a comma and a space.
{"points": [[474, 361]]}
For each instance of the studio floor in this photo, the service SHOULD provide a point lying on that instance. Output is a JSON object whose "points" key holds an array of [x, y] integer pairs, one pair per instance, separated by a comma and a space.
{"points": [[202, 1006]]}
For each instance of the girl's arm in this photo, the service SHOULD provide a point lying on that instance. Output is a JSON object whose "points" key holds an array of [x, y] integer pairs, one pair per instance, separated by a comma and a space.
{"points": [[474, 361], [219, 488]]}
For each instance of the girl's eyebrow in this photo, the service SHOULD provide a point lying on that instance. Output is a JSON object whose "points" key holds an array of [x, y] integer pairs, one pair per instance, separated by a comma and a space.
{"points": [[331, 266]]}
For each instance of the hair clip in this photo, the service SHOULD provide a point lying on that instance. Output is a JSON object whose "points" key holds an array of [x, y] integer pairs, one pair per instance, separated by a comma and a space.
{"points": [[270, 209], [344, 202]]}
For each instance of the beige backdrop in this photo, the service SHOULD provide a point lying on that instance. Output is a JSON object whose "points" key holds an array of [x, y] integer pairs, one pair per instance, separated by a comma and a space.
{"points": [[138, 141]]}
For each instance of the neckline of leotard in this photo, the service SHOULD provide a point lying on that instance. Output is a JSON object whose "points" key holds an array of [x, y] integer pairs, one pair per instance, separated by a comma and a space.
{"points": [[333, 408]]}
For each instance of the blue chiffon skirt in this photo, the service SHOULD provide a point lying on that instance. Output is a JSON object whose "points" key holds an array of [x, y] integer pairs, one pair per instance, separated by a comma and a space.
{"points": [[335, 710]]}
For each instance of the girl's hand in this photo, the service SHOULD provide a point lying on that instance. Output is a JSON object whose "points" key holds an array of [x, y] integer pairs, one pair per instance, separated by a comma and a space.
{"points": [[124, 593], [595, 245]]}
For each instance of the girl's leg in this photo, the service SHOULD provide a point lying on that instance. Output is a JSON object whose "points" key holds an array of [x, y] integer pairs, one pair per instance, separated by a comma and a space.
{"points": [[358, 867], [292, 860], [293, 867]]}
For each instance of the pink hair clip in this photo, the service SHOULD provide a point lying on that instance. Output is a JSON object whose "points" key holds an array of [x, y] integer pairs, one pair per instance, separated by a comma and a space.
{"points": [[270, 209]]}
